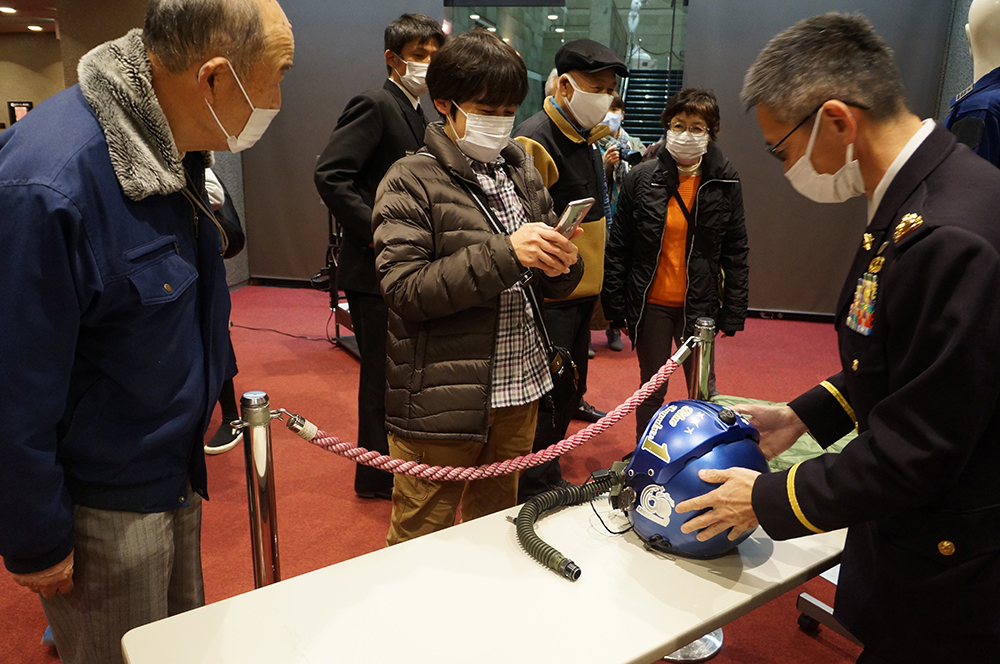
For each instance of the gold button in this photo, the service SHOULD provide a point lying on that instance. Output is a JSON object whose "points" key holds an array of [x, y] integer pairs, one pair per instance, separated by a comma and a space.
{"points": [[168, 288], [946, 547], [854, 365], [182, 499]]}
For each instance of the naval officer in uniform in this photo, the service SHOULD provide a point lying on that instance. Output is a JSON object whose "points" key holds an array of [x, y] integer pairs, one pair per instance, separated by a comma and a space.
{"points": [[918, 324]]}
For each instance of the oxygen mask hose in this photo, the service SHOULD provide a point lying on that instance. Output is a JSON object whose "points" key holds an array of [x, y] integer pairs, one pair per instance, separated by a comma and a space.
{"points": [[532, 510]]}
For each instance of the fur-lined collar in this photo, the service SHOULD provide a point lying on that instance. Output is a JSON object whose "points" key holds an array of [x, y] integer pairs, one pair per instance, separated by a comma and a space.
{"points": [[117, 82]]}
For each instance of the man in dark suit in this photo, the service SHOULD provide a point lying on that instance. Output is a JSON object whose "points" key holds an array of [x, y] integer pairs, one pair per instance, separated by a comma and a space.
{"points": [[376, 128], [918, 325]]}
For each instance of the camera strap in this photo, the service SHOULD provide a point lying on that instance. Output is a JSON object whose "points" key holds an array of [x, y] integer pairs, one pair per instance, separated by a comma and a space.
{"points": [[525, 282]]}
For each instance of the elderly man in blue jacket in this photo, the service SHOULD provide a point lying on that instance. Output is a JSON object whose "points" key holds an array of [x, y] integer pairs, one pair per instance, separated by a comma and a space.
{"points": [[114, 313]]}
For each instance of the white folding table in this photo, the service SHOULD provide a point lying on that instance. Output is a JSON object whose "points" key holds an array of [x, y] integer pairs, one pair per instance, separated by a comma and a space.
{"points": [[471, 594]]}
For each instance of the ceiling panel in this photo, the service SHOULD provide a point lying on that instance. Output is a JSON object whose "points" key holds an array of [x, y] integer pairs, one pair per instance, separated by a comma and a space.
{"points": [[29, 12]]}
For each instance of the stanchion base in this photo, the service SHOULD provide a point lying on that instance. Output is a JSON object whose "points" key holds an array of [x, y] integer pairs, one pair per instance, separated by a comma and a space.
{"points": [[700, 650]]}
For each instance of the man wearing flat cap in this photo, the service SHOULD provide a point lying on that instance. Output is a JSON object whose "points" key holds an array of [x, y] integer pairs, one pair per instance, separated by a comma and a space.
{"points": [[562, 139]]}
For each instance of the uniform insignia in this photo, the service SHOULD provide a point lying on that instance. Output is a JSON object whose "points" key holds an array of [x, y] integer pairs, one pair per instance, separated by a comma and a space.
{"points": [[964, 93], [881, 249], [876, 265], [907, 224], [861, 315], [869, 239]]}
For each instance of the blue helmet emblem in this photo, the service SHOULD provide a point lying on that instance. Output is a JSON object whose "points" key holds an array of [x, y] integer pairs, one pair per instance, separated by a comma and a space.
{"points": [[682, 438]]}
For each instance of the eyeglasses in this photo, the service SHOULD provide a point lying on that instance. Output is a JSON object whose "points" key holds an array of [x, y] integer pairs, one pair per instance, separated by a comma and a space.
{"points": [[773, 150], [680, 128]]}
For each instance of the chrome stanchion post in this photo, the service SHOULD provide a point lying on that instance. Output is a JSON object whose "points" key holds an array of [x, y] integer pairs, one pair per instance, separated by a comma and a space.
{"points": [[709, 645], [704, 331], [256, 425]]}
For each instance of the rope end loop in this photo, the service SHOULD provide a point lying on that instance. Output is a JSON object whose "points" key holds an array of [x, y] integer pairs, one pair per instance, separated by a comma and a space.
{"points": [[301, 427]]}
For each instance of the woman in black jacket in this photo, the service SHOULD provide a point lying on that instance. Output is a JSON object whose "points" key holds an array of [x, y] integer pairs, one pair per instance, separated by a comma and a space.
{"points": [[678, 245]]}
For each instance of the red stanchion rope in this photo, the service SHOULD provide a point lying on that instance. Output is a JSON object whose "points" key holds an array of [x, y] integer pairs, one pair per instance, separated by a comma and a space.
{"points": [[451, 473]]}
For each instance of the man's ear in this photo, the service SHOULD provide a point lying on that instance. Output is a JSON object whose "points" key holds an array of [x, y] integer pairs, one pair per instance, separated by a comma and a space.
{"points": [[844, 120], [443, 106], [391, 59], [563, 86], [208, 77]]}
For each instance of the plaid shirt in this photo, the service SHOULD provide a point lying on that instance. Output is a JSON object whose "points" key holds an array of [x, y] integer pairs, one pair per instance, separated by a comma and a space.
{"points": [[520, 367]]}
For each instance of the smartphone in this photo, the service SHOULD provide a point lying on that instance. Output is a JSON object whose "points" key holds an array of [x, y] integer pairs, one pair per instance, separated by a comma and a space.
{"points": [[573, 215]]}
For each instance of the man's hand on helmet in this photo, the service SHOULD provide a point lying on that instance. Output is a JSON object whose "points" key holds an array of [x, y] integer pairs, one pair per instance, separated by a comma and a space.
{"points": [[731, 507], [779, 426]]}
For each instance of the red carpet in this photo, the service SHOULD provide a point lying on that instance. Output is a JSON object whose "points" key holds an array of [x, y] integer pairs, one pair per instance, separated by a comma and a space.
{"points": [[321, 521]]}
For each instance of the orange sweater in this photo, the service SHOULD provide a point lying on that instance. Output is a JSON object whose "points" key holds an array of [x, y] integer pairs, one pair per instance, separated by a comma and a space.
{"points": [[670, 280]]}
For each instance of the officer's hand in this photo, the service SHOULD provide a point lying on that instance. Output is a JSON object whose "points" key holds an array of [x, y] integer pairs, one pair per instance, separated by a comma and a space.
{"points": [[779, 426], [611, 156], [49, 582], [731, 507], [537, 245]]}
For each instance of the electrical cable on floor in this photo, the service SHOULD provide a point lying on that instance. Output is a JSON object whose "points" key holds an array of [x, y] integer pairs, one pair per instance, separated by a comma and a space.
{"points": [[328, 338]]}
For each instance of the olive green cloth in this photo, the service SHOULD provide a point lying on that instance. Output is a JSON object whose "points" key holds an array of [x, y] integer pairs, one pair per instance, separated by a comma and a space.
{"points": [[804, 448]]}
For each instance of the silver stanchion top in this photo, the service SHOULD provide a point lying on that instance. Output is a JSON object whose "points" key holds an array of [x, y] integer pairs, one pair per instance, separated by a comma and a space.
{"points": [[254, 398]]}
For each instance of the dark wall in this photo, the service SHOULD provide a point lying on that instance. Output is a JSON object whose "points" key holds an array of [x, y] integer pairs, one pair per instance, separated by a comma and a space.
{"points": [[338, 53], [83, 24], [800, 251]]}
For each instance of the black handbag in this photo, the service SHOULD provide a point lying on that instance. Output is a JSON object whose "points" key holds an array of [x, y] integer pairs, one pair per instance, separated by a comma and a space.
{"points": [[562, 368]]}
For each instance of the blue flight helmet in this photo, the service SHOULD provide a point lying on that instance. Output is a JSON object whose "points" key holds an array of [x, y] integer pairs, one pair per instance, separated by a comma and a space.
{"points": [[681, 439]]}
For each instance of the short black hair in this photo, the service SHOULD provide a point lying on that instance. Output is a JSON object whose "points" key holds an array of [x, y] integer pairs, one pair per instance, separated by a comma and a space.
{"points": [[694, 101], [617, 103], [478, 66], [410, 27]]}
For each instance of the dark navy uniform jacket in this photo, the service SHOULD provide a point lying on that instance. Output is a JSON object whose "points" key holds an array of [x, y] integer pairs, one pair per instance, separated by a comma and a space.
{"points": [[980, 106], [376, 129], [919, 488]]}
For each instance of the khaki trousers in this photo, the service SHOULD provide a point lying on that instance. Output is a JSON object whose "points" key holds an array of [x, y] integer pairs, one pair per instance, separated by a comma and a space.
{"points": [[421, 506]]}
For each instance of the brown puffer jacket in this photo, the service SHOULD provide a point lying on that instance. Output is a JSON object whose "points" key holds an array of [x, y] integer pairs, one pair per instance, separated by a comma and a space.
{"points": [[441, 269]]}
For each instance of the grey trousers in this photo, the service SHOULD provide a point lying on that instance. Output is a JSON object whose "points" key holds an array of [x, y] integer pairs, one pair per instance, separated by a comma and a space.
{"points": [[129, 569], [661, 328]]}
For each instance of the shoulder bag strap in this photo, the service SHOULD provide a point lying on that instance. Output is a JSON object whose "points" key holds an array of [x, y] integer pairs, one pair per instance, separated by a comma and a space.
{"points": [[676, 194]]}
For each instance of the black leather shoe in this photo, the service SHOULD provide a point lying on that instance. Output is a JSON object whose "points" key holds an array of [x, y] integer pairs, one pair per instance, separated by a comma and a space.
{"points": [[382, 494], [587, 413], [615, 339]]}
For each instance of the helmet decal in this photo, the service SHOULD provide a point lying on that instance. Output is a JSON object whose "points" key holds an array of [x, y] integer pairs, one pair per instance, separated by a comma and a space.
{"points": [[656, 504], [649, 443]]}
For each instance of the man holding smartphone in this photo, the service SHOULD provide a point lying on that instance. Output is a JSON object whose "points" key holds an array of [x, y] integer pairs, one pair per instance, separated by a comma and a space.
{"points": [[562, 138]]}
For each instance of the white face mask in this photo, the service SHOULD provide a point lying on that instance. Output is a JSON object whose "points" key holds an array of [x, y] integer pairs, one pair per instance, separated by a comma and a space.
{"points": [[685, 146], [589, 108], [825, 187], [415, 78], [256, 124], [613, 120], [485, 135]]}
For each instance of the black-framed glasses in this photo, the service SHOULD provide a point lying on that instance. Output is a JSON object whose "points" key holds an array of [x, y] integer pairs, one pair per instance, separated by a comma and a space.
{"points": [[773, 150]]}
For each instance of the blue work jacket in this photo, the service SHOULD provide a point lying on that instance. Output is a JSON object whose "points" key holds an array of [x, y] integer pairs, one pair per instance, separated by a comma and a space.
{"points": [[114, 334]]}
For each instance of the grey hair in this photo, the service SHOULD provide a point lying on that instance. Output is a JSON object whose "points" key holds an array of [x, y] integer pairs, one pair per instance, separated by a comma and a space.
{"points": [[831, 56], [182, 33], [550, 82]]}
